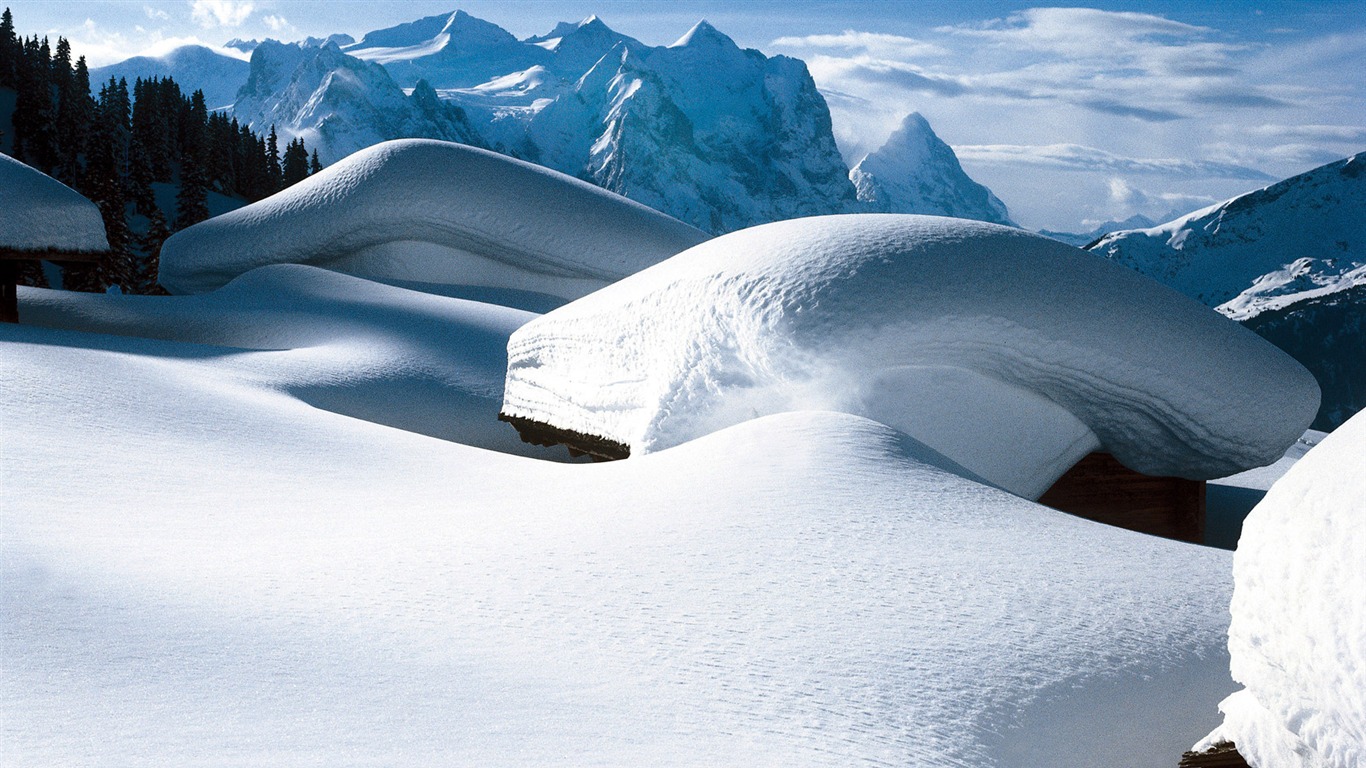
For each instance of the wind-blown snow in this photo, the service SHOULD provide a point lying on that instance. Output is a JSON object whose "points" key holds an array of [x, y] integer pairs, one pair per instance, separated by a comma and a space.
{"points": [[433, 212], [954, 332], [201, 569], [1298, 637], [39, 213]]}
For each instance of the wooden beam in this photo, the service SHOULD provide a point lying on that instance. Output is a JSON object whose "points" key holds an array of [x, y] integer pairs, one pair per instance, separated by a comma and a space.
{"points": [[9, 291]]}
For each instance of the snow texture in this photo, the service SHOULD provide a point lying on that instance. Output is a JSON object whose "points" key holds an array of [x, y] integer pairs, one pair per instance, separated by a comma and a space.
{"points": [[953, 332], [1298, 637], [916, 172], [202, 567], [433, 212], [39, 213]]}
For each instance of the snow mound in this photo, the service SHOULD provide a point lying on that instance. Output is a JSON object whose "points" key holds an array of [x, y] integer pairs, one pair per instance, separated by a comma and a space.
{"points": [[39, 213], [407, 359], [954, 332], [434, 212], [1298, 637]]}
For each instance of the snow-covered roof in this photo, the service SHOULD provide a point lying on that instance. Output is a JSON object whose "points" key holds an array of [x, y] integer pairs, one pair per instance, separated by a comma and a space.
{"points": [[436, 212], [39, 213], [1009, 353], [1298, 636]]}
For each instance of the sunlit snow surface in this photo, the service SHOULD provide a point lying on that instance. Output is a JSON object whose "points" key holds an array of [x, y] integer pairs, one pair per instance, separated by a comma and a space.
{"points": [[435, 212], [200, 567], [955, 332], [1298, 636], [38, 213]]}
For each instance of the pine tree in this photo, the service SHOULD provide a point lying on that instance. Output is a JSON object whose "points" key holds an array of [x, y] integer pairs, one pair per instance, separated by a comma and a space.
{"points": [[314, 165], [274, 175], [145, 279], [10, 49], [296, 163], [192, 204]]}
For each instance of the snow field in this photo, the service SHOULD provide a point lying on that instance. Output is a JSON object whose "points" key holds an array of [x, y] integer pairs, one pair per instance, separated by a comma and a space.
{"points": [[202, 567]]}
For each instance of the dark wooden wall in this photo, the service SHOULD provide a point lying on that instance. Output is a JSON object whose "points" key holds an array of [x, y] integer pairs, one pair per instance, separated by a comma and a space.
{"points": [[1100, 488]]}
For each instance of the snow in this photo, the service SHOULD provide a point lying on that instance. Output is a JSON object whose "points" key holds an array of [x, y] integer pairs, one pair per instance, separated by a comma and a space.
{"points": [[39, 213], [1249, 253], [1298, 636], [204, 566], [953, 332], [433, 212], [916, 172]]}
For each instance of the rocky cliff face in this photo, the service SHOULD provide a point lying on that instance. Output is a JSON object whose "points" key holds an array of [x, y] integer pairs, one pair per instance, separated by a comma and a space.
{"points": [[339, 103]]}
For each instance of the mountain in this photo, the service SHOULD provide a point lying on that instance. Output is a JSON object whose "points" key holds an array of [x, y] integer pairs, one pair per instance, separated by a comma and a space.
{"points": [[1288, 261], [916, 172], [194, 67], [1217, 253], [718, 136], [1083, 239], [1327, 334], [339, 103], [454, 50]]}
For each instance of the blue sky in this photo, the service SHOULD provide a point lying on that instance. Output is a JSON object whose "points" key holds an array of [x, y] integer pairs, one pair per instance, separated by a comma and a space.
{"points": [[1071, 115]]}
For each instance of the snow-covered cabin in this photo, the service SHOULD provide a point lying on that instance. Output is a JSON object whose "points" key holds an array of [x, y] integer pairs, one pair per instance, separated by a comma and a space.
{"points": [[1012, 355], [41, 219]]}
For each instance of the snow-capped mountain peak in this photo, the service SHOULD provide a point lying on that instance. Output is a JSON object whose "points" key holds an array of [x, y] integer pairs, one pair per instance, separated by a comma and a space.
{"points": [[703, 34], [916, 172]]}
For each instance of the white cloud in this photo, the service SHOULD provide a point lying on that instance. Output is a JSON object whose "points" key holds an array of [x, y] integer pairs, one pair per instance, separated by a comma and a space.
{"points": [[1075, 157], [156, 13], [277, 23], [872, 42], [221, 13]]}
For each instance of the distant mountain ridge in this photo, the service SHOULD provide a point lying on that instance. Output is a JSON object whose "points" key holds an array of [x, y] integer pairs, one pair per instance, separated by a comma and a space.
{"points": [[195, 66], [718, 136]]}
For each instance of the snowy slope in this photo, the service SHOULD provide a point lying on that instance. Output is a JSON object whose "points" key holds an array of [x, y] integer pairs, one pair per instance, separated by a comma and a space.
{"points": [[953, 332], [246, 579], [916, 172], [433, 212], [193, 67], [1307, 232], [339, 104], [38, 213], [1298, 637], [423, 363]]}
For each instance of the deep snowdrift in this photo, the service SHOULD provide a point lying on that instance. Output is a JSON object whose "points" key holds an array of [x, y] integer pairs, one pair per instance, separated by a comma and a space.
{"points": [[1298, 638], [201, 569], [39, 213], [954, 332], [428, 364], [433, 212]]}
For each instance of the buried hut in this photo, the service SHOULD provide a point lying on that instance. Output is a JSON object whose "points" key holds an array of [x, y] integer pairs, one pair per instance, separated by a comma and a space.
{"points": [[1023, 362], [41, 219]]}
